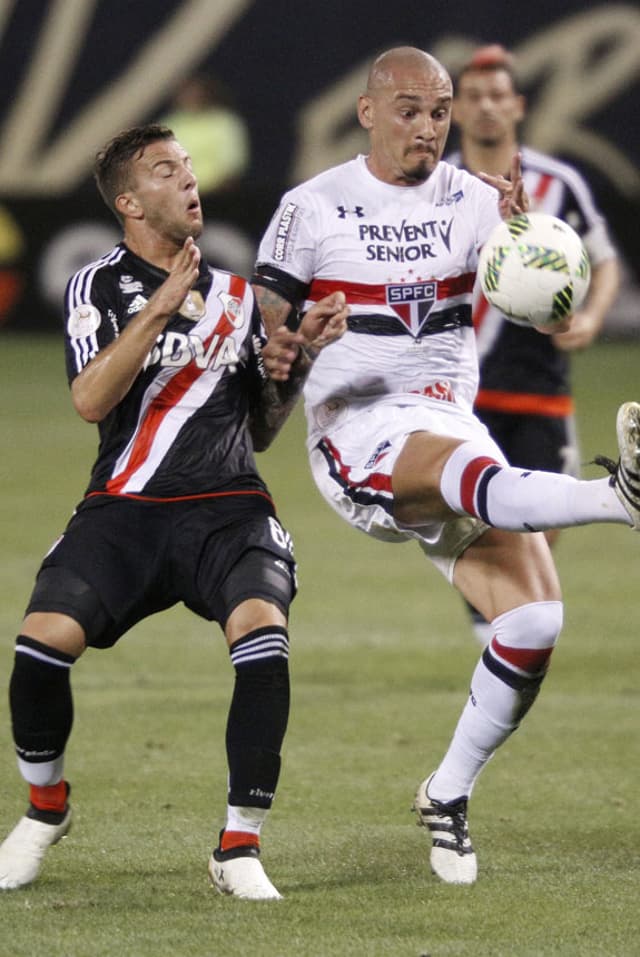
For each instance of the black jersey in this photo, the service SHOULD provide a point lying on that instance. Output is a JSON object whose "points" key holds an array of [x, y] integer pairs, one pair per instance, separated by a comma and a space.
{"points": [[181, 430], [521, 371]]}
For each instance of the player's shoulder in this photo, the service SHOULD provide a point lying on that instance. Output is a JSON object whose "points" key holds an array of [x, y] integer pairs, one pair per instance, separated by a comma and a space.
{"points": [[456, 185], [100, 273], [539, 162], [449, 171], [326, 183]]}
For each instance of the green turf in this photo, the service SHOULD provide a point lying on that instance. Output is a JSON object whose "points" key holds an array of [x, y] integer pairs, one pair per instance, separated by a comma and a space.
{"points": [[381, 659]]}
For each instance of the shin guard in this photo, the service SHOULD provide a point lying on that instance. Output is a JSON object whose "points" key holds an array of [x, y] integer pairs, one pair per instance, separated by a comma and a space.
{"points": [[41, 709], [258, 715]]}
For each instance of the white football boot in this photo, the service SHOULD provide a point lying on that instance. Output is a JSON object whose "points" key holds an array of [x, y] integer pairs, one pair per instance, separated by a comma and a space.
{"points": [[625, 473], [453, 859], [626, 479], [23, 850], [239, 873]]}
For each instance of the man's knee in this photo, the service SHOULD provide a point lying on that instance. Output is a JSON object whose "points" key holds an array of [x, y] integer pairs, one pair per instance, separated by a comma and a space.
{"points": [[64, 611]]}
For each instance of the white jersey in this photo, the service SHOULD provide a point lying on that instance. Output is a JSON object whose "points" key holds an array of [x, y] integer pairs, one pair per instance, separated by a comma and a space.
{"points": [[406, 259]]}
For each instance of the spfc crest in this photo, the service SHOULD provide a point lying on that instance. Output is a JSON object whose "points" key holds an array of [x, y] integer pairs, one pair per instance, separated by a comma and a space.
{"points": [[412, 302]]}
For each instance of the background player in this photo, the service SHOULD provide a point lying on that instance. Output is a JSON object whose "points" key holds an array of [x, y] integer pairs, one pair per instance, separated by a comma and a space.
{"points": [[394, 445], [524, 396], [165, 354]]}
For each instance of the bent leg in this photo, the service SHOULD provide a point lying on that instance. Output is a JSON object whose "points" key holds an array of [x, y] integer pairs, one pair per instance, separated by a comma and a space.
{"points": [[502, 570], [436, 476]]}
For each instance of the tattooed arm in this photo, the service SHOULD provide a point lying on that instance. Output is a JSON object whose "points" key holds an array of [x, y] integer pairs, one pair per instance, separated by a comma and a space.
{"points": [[287, 358]]}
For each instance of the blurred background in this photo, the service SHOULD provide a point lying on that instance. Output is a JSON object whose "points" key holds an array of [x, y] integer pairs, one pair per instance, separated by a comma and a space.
{"points": [[268, 90]]}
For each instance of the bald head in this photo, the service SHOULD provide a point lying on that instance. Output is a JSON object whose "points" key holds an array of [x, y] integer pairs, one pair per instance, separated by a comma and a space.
{"points": [[402, 59], [406, 110]]}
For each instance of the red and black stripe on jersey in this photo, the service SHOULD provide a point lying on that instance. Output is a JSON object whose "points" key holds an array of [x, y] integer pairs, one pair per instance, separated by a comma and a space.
{"points": [[181, 431]]}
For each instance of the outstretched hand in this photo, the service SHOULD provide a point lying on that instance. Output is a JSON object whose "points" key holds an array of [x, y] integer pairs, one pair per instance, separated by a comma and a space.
{"points": [[325, 322], [171, 294], [579, 333], [513, 196]]}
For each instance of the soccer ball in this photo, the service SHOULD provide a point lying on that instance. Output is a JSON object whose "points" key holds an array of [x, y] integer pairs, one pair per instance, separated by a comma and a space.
{"points": [[535, 270]]}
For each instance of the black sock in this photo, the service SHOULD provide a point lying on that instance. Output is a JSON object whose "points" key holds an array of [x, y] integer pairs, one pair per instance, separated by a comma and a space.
{"points": [[258, 716], [40, 700]]}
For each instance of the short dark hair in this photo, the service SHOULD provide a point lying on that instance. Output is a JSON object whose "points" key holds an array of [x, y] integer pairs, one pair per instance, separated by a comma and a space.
{"points": [[487, 59], [112, 167]]}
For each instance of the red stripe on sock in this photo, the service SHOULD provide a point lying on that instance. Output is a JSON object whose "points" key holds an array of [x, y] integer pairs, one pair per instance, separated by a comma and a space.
{"points": [[231, 839], [533, 660], [469, 481], [50, 798]]}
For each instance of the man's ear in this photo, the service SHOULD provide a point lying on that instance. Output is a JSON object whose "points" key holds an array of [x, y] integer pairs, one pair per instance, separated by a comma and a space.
{"points": [[128, 206], [365, 111]]}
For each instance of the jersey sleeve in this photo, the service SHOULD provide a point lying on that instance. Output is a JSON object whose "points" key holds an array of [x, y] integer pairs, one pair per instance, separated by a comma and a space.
{"points": [[289, 244], [90, 319]]}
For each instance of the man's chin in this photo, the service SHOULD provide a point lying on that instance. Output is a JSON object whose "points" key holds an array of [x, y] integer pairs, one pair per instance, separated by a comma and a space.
{"points": [[420, 170]]}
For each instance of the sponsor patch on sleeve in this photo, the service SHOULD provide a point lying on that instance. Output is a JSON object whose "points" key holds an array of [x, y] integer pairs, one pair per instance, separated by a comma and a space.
{"points": [[83, 321], [286, 224]]}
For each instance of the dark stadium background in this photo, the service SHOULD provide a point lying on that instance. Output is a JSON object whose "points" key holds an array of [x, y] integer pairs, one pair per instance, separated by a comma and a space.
{"points": [[72, 72]]}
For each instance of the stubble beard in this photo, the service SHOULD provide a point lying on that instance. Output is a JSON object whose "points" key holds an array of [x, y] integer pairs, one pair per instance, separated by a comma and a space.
{"points": [[419, 172]]}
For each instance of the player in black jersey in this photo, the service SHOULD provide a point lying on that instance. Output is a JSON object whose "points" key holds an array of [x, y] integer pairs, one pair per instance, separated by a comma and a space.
{"points": [[168, 356], [524, 397]]}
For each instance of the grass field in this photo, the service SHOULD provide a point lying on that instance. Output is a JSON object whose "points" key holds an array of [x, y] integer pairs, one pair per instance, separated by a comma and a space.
{"points": [[381, 660]]}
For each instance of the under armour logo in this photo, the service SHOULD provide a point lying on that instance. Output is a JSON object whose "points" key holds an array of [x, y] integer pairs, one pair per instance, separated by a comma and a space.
{"points": [[356, 211]]}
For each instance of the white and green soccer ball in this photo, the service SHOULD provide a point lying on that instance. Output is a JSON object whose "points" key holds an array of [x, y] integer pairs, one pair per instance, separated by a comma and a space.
{"points": [[535, 270]]}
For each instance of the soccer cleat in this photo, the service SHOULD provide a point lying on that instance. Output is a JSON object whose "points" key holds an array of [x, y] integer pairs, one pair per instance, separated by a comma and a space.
{"points": [[23, 850], [453, 859], [625, 473], [239, 873], [626, 480]]}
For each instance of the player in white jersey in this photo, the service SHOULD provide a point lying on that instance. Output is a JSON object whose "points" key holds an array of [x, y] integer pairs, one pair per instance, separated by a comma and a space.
{"points": [[524, 397], [394, 445]]}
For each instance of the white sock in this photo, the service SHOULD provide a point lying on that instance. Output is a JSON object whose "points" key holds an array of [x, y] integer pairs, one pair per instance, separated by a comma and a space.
{"points": [[247, 819], [504, 685], [524, 501], [43, 774], [477, 735]]}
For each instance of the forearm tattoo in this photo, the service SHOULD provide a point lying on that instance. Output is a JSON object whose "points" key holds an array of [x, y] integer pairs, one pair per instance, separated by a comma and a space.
{"points": [[277, 400]]}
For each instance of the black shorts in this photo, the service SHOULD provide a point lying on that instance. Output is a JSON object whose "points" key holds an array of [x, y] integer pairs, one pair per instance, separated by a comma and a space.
{"points": [[535, 441], [122, 560]]}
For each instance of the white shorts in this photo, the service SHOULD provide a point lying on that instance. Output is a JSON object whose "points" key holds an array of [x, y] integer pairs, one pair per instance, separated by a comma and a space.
{"points": [[352, 465]]}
